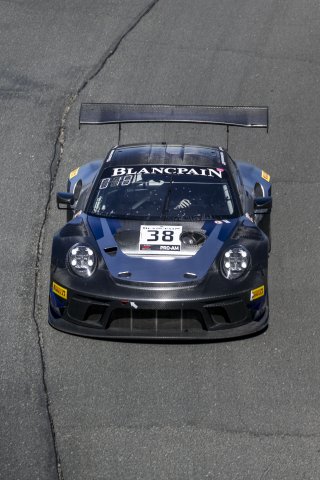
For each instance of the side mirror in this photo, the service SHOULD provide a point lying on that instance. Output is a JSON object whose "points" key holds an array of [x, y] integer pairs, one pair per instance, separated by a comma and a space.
{"points": [[65, 200], [262, 205]]}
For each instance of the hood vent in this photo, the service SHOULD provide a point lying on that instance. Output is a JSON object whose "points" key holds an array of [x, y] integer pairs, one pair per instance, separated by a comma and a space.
{"points": [[111, 250]]}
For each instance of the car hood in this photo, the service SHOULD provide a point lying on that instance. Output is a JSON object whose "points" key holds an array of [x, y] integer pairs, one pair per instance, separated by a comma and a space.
{"points": [[119, 245]]}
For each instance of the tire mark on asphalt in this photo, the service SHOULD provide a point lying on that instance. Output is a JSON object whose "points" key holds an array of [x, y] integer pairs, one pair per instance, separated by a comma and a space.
{"points": [[54, 167]]}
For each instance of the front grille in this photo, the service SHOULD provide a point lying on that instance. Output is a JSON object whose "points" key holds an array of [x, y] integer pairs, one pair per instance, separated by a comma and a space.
{"points": [[156, 321], [228, 314], [116, 316], [219, 316]]}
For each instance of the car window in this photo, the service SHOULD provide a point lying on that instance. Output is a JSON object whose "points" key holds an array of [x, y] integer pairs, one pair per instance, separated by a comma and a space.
{"points": [[163, 193]]}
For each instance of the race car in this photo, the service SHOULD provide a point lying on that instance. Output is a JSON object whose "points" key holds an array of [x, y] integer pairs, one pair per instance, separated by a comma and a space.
{"points": [[163, 241]]}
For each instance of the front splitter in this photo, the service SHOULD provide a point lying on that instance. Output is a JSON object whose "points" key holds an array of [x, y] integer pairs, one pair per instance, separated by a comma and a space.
{"points": [[247, 329]]}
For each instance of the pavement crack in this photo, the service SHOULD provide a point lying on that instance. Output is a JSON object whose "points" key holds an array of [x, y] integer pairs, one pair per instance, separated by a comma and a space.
{"points": [[54, 167], [115, 45], [266, 471], [55, 161]]}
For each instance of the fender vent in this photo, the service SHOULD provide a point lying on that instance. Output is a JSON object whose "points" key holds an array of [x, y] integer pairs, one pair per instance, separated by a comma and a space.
{"points": [[251, 233], [75, 228]]}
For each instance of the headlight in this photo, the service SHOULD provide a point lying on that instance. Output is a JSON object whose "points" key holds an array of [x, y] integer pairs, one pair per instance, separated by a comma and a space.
{"points": [[82, 260], [235, 262]]}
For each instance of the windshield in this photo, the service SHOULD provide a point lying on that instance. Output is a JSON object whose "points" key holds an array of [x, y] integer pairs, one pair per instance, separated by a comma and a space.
{"points": [[163, 193]]}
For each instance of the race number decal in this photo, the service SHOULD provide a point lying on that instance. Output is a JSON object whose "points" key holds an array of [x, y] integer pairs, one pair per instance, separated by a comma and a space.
{"points": [[160, 238]]}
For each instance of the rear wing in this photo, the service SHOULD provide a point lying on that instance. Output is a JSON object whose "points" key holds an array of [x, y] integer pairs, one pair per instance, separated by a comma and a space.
{"points": [[108, 113]]}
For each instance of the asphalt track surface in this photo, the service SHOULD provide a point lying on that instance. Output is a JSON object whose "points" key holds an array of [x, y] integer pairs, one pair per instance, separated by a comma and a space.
{"points": [[75, 408]]}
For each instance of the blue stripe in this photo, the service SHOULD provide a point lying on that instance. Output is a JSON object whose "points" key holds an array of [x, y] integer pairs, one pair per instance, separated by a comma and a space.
{"points": [[226, 230], [114, 225], [96, 227], [208, 226]]}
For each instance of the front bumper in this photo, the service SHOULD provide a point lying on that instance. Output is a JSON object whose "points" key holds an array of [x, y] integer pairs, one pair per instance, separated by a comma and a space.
{"points": [[154, 319]]}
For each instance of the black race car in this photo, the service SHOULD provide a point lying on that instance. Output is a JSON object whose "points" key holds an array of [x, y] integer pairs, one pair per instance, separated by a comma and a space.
{"points": [[163, 241]]}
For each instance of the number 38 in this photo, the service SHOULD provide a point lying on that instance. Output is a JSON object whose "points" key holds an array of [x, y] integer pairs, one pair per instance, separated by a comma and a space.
{"points": [[167, 235]]}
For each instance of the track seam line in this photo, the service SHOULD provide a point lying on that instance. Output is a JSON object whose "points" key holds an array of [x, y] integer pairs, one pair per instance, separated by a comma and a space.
{"points": [[53, 169]]}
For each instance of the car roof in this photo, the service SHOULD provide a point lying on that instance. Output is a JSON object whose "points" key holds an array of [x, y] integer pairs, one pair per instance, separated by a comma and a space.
{"points": [[165, 154]]}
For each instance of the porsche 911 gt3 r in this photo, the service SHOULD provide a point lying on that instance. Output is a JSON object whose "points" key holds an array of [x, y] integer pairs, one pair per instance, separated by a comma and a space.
{"points": [[163, 241]]}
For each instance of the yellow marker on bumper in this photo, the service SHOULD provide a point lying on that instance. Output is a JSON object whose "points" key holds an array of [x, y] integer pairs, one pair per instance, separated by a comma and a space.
{"points": [[257, 293], [265, 176], [62, 292], [74, 173]]}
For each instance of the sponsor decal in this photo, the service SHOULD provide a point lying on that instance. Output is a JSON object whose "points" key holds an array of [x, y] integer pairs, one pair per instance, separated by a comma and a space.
{"points": [[160, 238], [62, 292], [74, 173], [97, 204], [265, 176], [160, 248], [170, 247], [204, 172], [122, 180], [257, 293], [104, 183]]}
